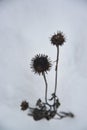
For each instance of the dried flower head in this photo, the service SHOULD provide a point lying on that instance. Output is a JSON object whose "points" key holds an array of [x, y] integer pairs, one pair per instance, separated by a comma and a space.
{"points": [[40, 64], [24, 105], [58, 39]]}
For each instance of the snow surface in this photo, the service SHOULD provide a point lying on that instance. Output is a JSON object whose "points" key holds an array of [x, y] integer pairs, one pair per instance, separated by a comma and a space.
{"points": [[25, 30]]}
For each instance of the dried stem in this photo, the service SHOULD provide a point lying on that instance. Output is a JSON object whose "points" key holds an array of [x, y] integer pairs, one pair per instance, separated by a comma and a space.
{"points": [[56, 69], [46, 86], [56, 74]]}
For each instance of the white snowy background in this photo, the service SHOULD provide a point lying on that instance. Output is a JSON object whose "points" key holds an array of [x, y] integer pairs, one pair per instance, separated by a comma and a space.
{"points": [[25, 30]]}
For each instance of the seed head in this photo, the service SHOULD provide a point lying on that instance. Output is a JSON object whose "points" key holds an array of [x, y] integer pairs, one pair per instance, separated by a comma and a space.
{"points": [[40, 64], [57, 39], [24, 105]]}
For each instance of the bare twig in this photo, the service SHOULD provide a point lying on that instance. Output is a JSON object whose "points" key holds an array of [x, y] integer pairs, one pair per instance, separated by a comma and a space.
{"points": [[46, 86], [56, 73]]}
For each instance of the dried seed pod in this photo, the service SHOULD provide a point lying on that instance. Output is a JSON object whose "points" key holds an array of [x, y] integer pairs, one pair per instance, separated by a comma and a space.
{"points": [[40, 64], [57, 39], [24, 105]]}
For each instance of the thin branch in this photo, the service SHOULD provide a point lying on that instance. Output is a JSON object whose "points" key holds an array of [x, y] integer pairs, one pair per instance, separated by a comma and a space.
{"points": [[56, 74], [56, 69], [46, 86]]}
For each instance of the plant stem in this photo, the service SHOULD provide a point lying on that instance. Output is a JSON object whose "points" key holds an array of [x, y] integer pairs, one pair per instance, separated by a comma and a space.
{"points": [[56, 74], [46, 86], [56, 69]]}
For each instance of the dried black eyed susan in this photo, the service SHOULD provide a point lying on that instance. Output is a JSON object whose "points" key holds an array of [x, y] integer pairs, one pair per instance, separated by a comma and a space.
{"points": [[40, 64], [58, 39], [24, 105]]}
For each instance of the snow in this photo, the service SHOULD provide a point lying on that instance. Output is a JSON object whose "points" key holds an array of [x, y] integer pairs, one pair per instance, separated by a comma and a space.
{"points": [[25, 30]]}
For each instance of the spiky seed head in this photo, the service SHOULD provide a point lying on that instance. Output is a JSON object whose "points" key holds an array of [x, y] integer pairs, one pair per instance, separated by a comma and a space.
{"points": [[58, 39], [24, 105], [40, 64]]}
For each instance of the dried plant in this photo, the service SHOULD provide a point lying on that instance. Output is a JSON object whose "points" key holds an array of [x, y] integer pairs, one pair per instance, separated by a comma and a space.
{"points": [[40, 64]]}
